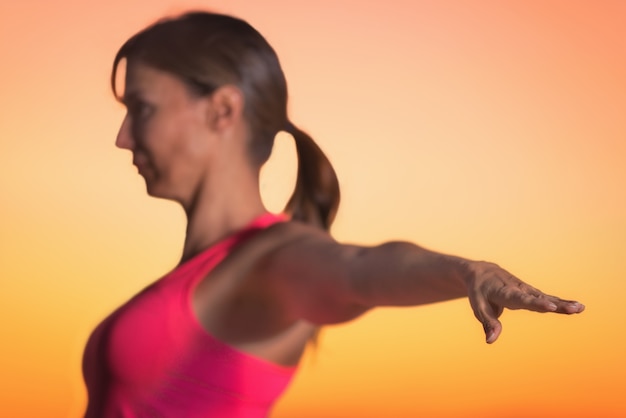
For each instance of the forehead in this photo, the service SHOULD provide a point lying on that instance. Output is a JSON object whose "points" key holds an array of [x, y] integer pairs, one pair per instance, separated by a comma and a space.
{"points": [[142, 79]]}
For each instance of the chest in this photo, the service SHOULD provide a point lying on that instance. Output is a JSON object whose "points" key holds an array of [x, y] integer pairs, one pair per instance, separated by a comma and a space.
{"points": [[143, 337]]}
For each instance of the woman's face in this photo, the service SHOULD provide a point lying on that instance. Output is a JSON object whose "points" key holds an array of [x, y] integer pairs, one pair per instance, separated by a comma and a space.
{"points": [[167, 132]]}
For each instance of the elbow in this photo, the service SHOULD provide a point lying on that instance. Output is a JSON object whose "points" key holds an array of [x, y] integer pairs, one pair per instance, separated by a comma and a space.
{"points": [[365, 275], [376, 273]]}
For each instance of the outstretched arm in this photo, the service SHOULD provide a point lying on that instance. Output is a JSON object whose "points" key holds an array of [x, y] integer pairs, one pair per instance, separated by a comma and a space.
{"points": [[327, 282]]}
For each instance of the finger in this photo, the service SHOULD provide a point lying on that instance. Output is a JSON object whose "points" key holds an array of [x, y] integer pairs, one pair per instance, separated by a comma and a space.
{"points": [[485, 313], [567, 307], [553, 303], [533, 300], [537, 303]]}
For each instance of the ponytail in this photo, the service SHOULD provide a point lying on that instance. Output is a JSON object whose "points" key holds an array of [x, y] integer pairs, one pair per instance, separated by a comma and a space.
{"points": [[316, 196]]}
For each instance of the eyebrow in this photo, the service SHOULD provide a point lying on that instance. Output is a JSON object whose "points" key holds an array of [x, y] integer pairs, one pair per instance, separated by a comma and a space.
{"points": [[129, 97]]}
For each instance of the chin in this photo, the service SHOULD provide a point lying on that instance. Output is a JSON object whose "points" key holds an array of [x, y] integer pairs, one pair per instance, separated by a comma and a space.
{"points": [[155, 190], [160, 192]]}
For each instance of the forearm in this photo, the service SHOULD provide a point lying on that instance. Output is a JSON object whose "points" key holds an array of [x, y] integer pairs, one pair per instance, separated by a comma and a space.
{"points": [[404, 274]]}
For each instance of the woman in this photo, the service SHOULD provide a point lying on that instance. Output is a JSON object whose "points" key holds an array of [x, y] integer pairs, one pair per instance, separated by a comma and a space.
{"points": [[221, 335]]}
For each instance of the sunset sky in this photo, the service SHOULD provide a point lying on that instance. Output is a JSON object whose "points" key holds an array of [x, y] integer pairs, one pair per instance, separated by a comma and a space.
{"points": [[488, 129]]}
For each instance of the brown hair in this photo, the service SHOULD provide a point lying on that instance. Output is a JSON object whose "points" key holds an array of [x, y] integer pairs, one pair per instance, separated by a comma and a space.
{"points": [[208, 50]]}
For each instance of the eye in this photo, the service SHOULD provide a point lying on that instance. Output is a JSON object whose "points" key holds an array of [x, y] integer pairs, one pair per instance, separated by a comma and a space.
{"points": [[139, 110]]}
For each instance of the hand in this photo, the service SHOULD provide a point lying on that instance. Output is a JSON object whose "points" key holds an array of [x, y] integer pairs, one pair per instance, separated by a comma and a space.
{"points": [[491, 289]]}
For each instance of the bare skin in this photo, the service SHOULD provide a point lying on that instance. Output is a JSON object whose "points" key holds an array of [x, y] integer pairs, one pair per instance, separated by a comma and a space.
{"points": [[268, 296]]}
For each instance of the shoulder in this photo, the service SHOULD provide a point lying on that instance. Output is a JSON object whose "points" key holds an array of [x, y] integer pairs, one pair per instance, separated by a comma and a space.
{"points": [[292, 244], [310, 273], [286, 241], [297, 271], [271, 250]]}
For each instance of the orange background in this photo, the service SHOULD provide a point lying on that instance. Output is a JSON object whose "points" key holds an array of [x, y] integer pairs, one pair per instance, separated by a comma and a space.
{"points": [[489, 129]]}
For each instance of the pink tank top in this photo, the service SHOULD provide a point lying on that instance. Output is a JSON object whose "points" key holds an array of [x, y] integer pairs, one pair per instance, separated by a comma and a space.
{"points": [[152, 358]]}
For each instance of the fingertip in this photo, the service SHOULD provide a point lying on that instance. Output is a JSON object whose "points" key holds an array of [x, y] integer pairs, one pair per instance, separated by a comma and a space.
{"points": [[576, 307], [492, 332]]}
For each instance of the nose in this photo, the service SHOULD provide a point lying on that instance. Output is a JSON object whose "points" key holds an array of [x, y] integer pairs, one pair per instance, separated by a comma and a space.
{"points": [[124, 138]]}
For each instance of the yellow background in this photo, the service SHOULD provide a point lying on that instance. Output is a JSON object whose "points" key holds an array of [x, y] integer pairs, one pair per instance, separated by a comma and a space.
{"points": [[488, 129]]}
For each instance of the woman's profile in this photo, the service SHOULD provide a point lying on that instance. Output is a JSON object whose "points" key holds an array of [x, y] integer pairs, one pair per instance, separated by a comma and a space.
{"points": [[223, 332]]}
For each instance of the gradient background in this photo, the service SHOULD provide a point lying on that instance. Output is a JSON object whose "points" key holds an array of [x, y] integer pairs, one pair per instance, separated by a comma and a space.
{"points": [[488, 129]]}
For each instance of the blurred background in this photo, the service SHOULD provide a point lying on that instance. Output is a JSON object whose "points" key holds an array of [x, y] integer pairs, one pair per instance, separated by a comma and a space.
{"points": [[492, 130]]}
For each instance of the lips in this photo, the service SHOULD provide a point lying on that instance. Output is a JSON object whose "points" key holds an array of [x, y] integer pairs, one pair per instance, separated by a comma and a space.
{"points": [[140, 164]]}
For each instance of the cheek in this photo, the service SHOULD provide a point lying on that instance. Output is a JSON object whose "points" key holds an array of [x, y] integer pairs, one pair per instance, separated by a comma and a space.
{"points": [[183, 155], [194, 142], [178, 148]]}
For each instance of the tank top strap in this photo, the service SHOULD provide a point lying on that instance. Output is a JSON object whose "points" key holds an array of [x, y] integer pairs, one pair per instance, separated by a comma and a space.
{"points": [[216, 252]]}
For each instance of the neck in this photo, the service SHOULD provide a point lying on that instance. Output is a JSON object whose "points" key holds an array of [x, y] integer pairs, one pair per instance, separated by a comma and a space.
{"points": [[214, 216]]}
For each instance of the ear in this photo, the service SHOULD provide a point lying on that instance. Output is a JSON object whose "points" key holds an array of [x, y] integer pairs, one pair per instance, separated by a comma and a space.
{"points": [[226, 110]]}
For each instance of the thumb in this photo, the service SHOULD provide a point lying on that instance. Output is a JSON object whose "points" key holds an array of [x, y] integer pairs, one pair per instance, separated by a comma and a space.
{"points": [[489, 318]]}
